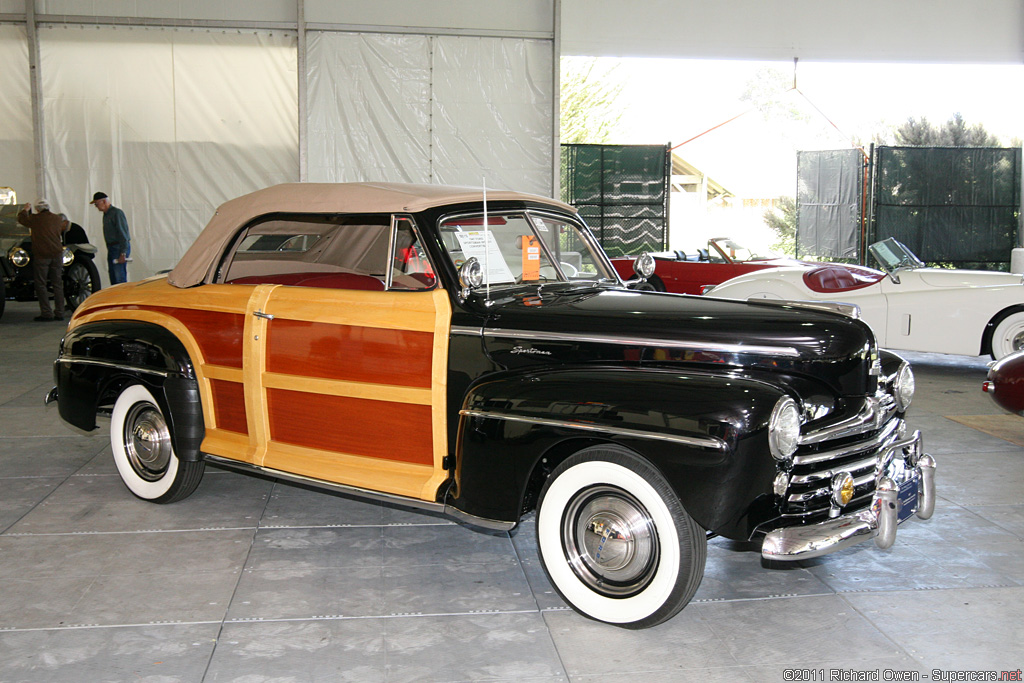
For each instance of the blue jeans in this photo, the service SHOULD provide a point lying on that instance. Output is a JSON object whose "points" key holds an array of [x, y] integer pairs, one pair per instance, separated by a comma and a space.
{"points": [[117, 272]]}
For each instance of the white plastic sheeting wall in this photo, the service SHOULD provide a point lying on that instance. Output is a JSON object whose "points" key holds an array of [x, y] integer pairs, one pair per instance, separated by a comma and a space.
{"points": [[17, 168], [434, 109], [169, 122]]}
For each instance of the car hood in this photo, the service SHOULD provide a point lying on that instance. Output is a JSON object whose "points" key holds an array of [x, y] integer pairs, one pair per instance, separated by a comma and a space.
{"points": [[942, 277], [668, 330]]}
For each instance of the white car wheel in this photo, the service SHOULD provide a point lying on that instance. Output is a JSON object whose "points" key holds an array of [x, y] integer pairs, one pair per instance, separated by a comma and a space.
{"points": [[143, 451], [1008, 336], [615, 541]]}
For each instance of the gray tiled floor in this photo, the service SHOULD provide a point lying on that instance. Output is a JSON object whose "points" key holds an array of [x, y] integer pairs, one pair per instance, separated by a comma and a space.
{"points": [[255, 580]]}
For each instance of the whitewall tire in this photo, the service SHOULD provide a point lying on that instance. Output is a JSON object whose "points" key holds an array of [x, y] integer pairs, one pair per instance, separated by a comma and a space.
{"points": [[1008, 336], [140, 437], [615, 540]]}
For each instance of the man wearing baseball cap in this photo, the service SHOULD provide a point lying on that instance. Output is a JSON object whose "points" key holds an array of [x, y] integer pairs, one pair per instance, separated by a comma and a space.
{"points": [[115, 234]]}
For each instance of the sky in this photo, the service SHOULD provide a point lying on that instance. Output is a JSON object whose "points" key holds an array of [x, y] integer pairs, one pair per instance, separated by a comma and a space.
{"points": [[673, 100]]}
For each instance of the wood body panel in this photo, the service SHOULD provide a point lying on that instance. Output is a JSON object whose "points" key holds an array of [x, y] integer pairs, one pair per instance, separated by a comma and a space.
{"points": [[347, 352], [229, 405], [356, 426], [340, 385]]}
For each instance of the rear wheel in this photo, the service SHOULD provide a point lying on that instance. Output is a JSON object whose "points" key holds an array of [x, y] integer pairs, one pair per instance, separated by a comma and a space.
{"points": [[1008, 336], [140, 437], [615, 540]]}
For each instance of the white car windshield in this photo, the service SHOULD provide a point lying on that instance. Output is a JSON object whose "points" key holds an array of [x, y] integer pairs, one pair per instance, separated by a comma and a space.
{"points": [[893, 256], [522, 247]]}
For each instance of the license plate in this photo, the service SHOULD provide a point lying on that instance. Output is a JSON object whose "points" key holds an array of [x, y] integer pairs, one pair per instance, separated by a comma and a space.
{"points": [[907, 500]]}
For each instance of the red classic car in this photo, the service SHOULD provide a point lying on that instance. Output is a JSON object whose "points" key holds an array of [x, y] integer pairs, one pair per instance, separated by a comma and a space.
{"points": [[1005, 382], [690, 272]]}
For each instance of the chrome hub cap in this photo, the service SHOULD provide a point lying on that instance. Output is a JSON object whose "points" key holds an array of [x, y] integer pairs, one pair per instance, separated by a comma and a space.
{"points": [[610, 541], [147, 441]]}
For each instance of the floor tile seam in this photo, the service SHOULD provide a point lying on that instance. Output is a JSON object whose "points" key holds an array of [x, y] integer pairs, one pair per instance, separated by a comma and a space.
{"points": [[82, 627], [238, 582], [37, 534], [354, 526], [760, 598], [390, 616], [392, 564], [39, 436]]}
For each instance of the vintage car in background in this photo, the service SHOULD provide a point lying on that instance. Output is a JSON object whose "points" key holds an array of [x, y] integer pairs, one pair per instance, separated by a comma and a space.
{"points": [[1005, 382], [691, 272], [477, 355], [17, 281], [909, 307]]}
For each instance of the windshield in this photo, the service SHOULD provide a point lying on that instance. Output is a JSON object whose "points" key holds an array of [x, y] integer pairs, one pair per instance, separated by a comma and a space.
{"points": [[523, 247], [893, 256], [724, 249]]}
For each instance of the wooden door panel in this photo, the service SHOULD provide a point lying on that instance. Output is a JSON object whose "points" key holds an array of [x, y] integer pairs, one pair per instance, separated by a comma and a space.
{"points": [[352, 386]]}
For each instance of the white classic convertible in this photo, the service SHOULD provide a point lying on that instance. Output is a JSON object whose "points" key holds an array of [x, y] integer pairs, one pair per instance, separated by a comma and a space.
{"points": [[908, 306]]}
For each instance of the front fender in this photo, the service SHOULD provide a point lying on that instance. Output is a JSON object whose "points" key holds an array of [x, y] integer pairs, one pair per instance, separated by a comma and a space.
{"points": [[705, 432], [98, 359]]}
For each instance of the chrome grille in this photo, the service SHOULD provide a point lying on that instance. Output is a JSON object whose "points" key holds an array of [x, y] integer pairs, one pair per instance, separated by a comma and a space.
{"points": [[810, 484]]}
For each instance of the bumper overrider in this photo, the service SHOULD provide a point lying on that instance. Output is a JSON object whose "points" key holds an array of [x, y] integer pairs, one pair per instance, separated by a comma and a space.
{"points": [[905, 488]]}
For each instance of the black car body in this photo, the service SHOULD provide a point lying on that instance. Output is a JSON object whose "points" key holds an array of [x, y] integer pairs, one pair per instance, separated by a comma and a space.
{"points": [[479, 356]]}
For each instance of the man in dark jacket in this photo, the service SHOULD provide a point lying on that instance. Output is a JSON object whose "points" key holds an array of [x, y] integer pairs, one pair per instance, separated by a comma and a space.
{"points": [[47, 251], [115, 234]]}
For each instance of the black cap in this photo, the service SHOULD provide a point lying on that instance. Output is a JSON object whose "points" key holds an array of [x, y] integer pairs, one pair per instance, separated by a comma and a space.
{"points": [[98, 196]]}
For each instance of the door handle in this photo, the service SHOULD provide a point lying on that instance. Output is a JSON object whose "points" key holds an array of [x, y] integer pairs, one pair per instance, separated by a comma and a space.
{"points": [[261, 314]]}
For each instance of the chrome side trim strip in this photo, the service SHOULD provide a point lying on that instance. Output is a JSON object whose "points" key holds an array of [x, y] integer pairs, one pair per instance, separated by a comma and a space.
{"points": [[784, 351], [848, 310], [427, 505], [700, 442], [112, 364], [469, 331]]}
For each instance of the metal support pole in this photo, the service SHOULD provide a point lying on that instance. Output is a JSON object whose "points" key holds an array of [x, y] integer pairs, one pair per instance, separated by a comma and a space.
{"points": [[303, 108], [36, 91], [556, 100]]}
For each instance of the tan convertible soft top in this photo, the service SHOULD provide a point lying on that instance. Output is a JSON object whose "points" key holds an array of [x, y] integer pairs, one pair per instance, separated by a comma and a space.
{"points": [[199, 262]]}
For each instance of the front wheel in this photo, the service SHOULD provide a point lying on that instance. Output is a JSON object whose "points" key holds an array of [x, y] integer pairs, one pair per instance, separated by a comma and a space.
{"points": [[615, 541], [1008, 336], [143, 451], [80, 280]]}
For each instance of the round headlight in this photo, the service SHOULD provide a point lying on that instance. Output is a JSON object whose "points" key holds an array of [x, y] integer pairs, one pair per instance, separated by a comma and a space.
{"points": [[784, 429], [67, 257], [19, 257], [904, 386]]}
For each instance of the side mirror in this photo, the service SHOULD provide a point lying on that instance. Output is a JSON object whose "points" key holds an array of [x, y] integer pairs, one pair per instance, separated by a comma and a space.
{"points": [[643, 266], [471, 275]]}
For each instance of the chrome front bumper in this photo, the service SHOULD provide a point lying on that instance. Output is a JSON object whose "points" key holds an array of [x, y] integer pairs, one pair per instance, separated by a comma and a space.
{"points": [[879, 521]]}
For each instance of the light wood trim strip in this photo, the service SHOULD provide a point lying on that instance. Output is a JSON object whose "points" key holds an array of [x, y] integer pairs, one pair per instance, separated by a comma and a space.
{"points": [[401, 478], [254, 362], [222, 372], [439, 391], [387, 310], [331, 387]]}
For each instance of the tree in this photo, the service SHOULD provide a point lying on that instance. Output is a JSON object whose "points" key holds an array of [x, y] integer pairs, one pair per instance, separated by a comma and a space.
{"points": [[589, 95], [782, 220], [954, 133]]}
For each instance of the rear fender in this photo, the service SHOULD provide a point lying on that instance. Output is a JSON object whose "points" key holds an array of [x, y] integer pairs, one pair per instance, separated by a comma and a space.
{"points": [[705, 432], [97, 360]]}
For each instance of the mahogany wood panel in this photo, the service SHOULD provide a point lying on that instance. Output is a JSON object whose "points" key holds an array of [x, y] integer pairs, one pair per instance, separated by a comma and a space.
{"points": [[345, 352], [218, 334], [376, 429], [229, 405]]}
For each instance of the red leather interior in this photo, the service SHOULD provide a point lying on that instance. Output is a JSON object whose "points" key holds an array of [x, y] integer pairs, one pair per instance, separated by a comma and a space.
{"points": [[838, 278], [328, 280]]}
